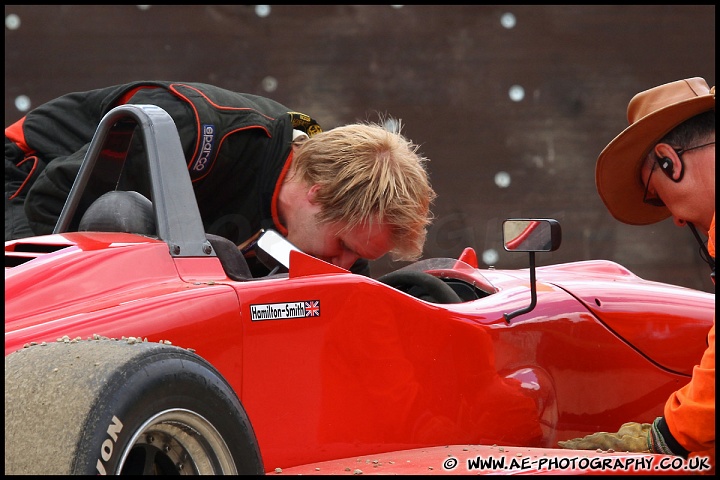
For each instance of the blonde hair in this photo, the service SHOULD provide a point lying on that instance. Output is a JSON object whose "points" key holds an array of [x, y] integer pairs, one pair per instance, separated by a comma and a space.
{"points": [[367, 173]]}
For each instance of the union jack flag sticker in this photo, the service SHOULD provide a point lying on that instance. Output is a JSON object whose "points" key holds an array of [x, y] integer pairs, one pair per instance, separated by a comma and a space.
{"points": [[312, 308]]}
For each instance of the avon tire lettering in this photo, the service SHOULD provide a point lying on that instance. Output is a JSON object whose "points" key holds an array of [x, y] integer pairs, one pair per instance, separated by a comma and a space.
{"points": [[106, 449]]}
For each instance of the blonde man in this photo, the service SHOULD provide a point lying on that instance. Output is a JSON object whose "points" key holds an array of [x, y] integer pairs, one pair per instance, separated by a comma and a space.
{"points": [[347, 195]]}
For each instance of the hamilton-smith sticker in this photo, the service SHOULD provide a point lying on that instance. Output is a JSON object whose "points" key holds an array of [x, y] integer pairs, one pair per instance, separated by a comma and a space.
{"points": [[280, 311]]}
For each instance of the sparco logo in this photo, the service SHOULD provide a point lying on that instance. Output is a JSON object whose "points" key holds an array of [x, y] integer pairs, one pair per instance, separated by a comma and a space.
{"points": [[208, 138]]}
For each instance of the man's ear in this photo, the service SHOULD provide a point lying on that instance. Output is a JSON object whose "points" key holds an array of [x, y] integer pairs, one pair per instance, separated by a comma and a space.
{"points": [[312, 194]]}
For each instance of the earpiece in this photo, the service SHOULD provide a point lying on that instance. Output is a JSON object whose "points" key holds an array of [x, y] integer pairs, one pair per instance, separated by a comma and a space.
{"points": [[666, 166]]}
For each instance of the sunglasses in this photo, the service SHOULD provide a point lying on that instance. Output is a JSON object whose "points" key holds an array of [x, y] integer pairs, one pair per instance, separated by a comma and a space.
{"points": [[656, 201]]}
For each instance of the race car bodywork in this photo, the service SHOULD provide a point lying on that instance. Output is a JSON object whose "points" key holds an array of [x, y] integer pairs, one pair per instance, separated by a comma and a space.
{"points": [[316, 363]]}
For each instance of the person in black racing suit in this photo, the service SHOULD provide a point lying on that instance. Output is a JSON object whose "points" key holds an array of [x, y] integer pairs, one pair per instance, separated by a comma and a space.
{"points": [[345, 195]]}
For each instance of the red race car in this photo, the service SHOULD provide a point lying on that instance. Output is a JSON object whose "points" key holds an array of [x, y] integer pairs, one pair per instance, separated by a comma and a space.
{"points": [[137, 344]]}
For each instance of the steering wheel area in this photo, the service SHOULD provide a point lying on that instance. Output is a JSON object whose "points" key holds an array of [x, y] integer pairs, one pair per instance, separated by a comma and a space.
{"points": [[421, 285]]}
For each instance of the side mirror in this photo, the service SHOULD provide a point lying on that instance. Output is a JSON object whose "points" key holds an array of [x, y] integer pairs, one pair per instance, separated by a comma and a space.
{"points": [[530, 235]]}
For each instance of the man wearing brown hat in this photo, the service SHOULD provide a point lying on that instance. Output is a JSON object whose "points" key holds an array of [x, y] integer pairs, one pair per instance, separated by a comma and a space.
{"points": [[663, 165]]}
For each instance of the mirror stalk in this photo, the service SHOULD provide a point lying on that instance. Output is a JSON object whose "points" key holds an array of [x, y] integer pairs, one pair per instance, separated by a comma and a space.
{"points": [[533, 293]]}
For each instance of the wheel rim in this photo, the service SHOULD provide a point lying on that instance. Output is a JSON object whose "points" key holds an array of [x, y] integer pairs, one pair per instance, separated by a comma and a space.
{"points": [[177, 441]]}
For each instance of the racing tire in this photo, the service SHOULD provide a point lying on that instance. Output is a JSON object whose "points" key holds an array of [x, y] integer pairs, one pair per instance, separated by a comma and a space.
{"points": [[421, 285], [119, 407]]}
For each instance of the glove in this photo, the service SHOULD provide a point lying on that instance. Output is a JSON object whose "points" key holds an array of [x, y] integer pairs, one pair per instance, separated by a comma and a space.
{"points": [[632, 437], [662, 441]]}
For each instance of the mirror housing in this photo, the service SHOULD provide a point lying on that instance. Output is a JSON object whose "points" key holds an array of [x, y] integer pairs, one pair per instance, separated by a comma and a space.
{"points": [[531, 235]]}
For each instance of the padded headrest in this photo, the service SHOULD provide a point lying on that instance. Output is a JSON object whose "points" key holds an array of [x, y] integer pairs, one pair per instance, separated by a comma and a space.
{"points": [[120, 211]]}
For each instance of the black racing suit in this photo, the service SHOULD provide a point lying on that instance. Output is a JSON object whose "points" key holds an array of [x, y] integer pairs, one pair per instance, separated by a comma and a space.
{"points": [[237, 147]]}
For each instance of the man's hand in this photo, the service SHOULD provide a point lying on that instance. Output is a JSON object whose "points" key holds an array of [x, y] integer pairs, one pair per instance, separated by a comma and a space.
{"points": [[632, 437]]}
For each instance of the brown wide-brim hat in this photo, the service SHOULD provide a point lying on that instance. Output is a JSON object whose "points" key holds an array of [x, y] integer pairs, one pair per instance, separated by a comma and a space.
{"points": [[651, 115]]}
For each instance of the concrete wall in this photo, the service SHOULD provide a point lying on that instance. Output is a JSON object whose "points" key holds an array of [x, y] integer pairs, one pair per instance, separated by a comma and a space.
{"points": [[529, 94]]}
